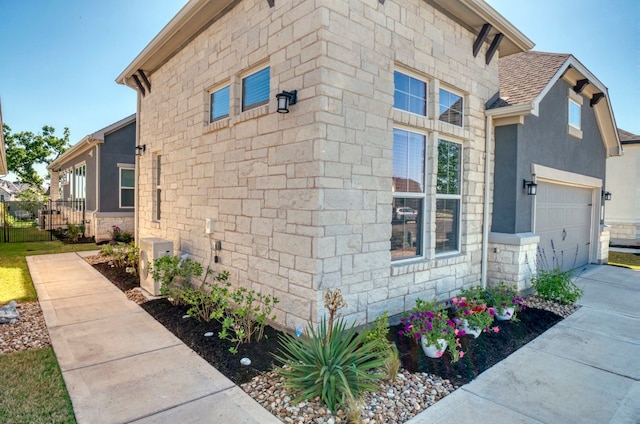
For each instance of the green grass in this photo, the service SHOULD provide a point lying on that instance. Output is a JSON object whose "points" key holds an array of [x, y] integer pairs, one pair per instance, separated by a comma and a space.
{"points": [[629, 260], [15, 281], [33, 390]]}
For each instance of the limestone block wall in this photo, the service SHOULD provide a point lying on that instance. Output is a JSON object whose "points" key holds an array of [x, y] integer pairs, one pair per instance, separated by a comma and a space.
{"points": [[512, 259], [624, 232], [100, 224], [302, 201], [603, 247]]}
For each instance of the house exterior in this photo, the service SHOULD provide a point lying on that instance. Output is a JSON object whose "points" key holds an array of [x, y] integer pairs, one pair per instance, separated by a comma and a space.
{"points": [[553, 126], [8, 190], [390, 114], [623, 182], [99, 170]]}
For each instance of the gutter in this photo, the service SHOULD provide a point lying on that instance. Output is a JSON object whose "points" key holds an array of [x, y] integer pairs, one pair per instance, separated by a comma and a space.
{"points": [[485, 209]]}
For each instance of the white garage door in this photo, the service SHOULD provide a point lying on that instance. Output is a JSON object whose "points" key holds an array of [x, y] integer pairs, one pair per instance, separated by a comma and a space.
{"points": [[563, 222]]}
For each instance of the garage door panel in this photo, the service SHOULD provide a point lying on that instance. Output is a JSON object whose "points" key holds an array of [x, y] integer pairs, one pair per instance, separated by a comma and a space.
{"points": [[563, 222]]}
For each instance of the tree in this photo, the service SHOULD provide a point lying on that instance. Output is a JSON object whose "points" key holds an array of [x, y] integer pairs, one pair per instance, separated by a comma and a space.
{"points": [[26, 149]]}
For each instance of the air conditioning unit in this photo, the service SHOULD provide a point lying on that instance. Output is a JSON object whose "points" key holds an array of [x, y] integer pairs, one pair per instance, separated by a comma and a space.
{"points": [[151, 249]]}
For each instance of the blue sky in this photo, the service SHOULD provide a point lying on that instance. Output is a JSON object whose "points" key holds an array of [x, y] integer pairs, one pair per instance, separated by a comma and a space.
{"points": [[60, 58]]}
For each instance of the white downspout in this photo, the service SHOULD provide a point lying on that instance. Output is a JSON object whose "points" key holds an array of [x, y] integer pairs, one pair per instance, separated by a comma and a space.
{"points": [[485, 211]]}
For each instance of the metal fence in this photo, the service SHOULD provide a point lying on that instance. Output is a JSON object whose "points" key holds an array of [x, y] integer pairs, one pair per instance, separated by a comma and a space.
{"points": [[22, 221]]}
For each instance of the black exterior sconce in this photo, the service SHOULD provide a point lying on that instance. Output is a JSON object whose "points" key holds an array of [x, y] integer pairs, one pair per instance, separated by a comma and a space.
{"points": [[286, 99], [606, 195], [140, 149], [531, 186]]}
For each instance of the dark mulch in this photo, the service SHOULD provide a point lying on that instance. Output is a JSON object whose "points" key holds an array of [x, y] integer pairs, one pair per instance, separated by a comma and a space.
{"points": [[213, 349], [480, 353]]}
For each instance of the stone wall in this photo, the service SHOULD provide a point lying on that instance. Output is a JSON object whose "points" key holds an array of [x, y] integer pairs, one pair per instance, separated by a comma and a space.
{"points": [[624, 233], [512, 259], [100, 224], [302, 201]]}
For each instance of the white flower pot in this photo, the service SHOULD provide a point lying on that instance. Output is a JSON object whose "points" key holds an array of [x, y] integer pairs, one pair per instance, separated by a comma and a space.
{"points": [[506, 315], [475, 331], [432, 351]]}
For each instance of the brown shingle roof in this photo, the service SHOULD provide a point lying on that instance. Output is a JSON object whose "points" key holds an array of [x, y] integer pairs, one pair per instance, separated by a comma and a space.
{"points": [[626, 136], [523, 76]]}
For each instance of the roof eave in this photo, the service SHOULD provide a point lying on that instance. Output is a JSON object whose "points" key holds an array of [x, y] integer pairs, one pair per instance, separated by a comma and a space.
{"points": [[76, 150], [190, 21]]}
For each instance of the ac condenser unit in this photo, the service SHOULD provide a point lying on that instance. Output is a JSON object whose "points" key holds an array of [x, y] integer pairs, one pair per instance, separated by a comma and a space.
{"points": [[151, 249]]}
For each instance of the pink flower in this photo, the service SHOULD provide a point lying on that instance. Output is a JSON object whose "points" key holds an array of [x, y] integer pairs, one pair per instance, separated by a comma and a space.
{"points": [[462, 354], [439, 354], [496, 329]]}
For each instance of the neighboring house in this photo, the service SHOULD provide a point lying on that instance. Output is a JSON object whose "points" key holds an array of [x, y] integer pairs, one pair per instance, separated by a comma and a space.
{"points": [[100, 171], [390, 114], [8, 190], [554, 126], [623, 182], [3, 153]]}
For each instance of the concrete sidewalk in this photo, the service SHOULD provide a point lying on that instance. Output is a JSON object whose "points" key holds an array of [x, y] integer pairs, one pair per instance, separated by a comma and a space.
{"points": [[583, 370], [119, 364]]}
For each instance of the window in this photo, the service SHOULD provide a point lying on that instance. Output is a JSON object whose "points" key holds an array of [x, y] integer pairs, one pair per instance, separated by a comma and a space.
{"points": [[410, 94], [448, 197], [80, 187], [255, 89], [574, 113], [219, 104], [407, 226], [158, 189], [451, 107], [127, 187]]}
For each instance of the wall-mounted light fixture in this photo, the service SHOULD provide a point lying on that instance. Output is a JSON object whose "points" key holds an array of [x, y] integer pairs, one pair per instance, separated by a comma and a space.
{"points": [[606, 195], [140, 149], [286, 99], [531, 186]]}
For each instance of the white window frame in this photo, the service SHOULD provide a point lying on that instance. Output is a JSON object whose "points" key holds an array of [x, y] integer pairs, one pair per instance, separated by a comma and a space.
{"points": [[126, 167], [426, 91], [457, 197], [574, 100], [573, 104], [75, 190], [456, 93], [242, 90], [416, 195]]}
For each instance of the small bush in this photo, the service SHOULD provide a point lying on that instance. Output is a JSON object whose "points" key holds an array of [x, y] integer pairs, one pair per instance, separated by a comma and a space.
{"points": [[556, 285], [74, 232], [333, 367], [209, 300], [175, 275], [377, 335], [123, 255]]}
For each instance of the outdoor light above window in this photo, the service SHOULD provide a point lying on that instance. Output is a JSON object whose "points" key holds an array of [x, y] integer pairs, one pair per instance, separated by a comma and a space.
{"points": [[606, 195], [286, 99], [531, 186], [140, 149]]}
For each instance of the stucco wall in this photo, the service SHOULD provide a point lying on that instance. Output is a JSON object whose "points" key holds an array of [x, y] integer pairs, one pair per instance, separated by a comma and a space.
{"points": [[302, 201], [622, 212], [118, 147]]}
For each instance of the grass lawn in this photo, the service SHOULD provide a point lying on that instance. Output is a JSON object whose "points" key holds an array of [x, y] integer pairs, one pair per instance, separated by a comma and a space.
{"points": [[629, 260], [33, 390], [15, 281]]}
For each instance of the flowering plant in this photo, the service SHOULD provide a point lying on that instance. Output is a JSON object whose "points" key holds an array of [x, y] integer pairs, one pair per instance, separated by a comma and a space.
{"points": [[477, 314], [504, 296], [430, 321]]}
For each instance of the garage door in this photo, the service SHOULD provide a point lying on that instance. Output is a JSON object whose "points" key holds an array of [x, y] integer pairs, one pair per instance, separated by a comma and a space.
{"points": [[563, 222]]}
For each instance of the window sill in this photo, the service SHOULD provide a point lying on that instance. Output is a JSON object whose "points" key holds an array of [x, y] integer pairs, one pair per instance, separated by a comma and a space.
{"points": [[216, 125], [253, 113], [575, 132]]}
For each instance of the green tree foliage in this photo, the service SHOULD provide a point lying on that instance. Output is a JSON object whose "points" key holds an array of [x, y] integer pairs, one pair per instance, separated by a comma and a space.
{"points": [[26, 149]]}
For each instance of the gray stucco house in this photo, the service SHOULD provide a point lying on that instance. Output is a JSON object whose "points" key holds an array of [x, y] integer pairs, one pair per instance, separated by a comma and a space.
{"points": [[100, 170], [554, 130]]}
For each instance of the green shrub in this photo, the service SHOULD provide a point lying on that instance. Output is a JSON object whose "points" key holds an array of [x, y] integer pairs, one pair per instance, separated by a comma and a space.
{"points": [[123, 255], [377, 336], [174, 274], [556, 285], [74, 232], [333, 367], [209, 300]]}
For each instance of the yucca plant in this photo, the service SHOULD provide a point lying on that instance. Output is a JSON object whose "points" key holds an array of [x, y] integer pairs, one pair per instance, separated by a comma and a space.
{"points": [[332, 367]]}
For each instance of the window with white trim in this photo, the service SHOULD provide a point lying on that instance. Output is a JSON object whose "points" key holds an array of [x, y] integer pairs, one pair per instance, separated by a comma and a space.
{"points": [[127, 187], [451, 107], [156, 202], [255, 89], [574, 114], [407, 226], [448, 197], [409, 94], [219, 104], [80, 186]]}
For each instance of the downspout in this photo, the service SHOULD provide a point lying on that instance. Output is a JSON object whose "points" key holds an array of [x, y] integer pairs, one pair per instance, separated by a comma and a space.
{"points": [[485, 211]]}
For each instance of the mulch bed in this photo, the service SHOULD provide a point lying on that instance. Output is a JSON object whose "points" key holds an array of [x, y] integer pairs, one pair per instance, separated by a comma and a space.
{"points": [[480, 353]]}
